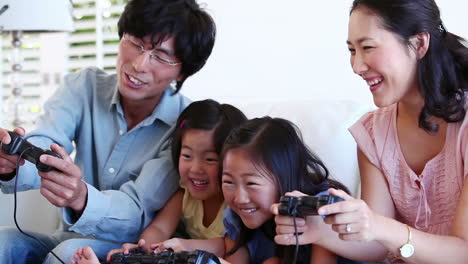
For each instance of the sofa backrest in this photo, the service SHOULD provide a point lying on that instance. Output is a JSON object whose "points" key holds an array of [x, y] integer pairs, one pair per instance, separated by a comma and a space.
{"points": [[324, 128]]}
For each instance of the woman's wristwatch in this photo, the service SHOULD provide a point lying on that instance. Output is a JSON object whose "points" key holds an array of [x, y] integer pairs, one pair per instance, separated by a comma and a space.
{"points": [[407, 250]]}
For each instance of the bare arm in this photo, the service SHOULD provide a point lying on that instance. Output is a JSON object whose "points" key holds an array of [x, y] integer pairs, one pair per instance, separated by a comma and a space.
{"points": [[372, 222], [272, 260], [430, 248], [160, 229], [165, 222], [331, 234], [322, 256], [391, 234], [241, 256]]}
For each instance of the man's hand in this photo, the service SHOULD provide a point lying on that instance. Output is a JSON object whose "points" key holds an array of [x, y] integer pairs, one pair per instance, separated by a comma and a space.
{"points": [[63, 187], [8, 162]]}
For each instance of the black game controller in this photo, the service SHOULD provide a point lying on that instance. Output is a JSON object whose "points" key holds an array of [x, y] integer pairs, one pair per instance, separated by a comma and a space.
{"points": [[305, 205], [30, 152], [137, 256]]}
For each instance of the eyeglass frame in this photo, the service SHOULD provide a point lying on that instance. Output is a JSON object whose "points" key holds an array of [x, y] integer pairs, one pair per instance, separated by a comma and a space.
{"points": [[151, 54]]}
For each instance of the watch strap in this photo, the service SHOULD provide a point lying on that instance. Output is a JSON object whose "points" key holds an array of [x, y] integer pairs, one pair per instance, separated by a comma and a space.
{"points": [[407, 250]]}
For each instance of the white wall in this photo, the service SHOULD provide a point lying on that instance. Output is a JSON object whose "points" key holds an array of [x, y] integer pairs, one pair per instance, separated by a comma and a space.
{"points": [[282, 50]]}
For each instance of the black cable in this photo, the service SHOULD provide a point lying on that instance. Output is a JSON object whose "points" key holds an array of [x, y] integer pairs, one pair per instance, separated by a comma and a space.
{"points": [[294, 215], [297, 240], [14, 209]]}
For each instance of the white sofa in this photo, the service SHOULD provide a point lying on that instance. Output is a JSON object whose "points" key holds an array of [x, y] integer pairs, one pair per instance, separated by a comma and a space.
{"points": [[323, 125]]}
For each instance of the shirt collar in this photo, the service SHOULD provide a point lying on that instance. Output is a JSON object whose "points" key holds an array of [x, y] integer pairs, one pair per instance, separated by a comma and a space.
{"points": [[115, 100], [166, 110]]}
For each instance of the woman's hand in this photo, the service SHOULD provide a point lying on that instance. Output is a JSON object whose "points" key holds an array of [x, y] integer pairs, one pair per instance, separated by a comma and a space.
{"points": [[285, 229], [125, 249], [352, 219]]}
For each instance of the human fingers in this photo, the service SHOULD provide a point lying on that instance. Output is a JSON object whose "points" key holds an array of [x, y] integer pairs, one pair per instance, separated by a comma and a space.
{"points": [[8, 163], [291, 239], [63, 190], [289, 220], [290, 229], [285, 227], [346, 229], [354, 225], [20, 131], [353, 231], [64, 165], [65, 182], [141, 242], [156, 247], [340, 193], [347, 205], [128, 246], [61, 151], [274, 208], [125, 249], [112, 252], [5, 136], [51, 196], [345, 217], [295, 193], [173, 244]]}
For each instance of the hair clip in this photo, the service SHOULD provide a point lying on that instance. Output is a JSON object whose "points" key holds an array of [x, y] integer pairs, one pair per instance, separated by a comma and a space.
{"points": [[182, 124], [442, 28]]}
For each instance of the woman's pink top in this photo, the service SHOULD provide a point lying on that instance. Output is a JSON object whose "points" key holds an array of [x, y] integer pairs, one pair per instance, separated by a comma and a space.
{"points": [[426, 201]]}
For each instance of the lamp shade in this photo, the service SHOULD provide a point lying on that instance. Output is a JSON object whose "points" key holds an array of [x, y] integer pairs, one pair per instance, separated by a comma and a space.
{"points": [[36, 15]]}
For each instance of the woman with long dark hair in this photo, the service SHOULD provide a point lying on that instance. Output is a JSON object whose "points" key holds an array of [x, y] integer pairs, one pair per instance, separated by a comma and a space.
{"points": [[412, 151]]}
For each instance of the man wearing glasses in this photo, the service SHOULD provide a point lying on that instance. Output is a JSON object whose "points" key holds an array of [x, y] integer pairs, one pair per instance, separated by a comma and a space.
{"points": [[118, 126]]}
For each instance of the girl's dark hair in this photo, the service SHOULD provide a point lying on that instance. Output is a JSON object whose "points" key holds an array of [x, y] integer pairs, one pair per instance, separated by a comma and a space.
{"points": [[206, 115], [443, 71], [192, 27], [276, 145]]}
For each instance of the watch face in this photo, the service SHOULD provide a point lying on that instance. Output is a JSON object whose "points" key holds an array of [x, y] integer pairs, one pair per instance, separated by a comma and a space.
{"points": [[407, 250]]}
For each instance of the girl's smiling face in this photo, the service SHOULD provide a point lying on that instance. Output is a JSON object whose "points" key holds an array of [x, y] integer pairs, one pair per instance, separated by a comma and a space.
{"points": [[199, 165], [247, 189]]}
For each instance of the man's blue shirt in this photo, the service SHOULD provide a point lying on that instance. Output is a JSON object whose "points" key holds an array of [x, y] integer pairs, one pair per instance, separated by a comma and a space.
{"points": [[129, 173]]}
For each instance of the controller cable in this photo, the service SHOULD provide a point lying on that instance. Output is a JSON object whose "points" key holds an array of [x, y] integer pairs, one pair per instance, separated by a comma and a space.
{"points": [[296, 252], [15, 205]]}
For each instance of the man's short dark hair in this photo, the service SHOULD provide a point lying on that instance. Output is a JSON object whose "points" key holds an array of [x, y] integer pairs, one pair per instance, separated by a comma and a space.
{"points": [[193, 29]]}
